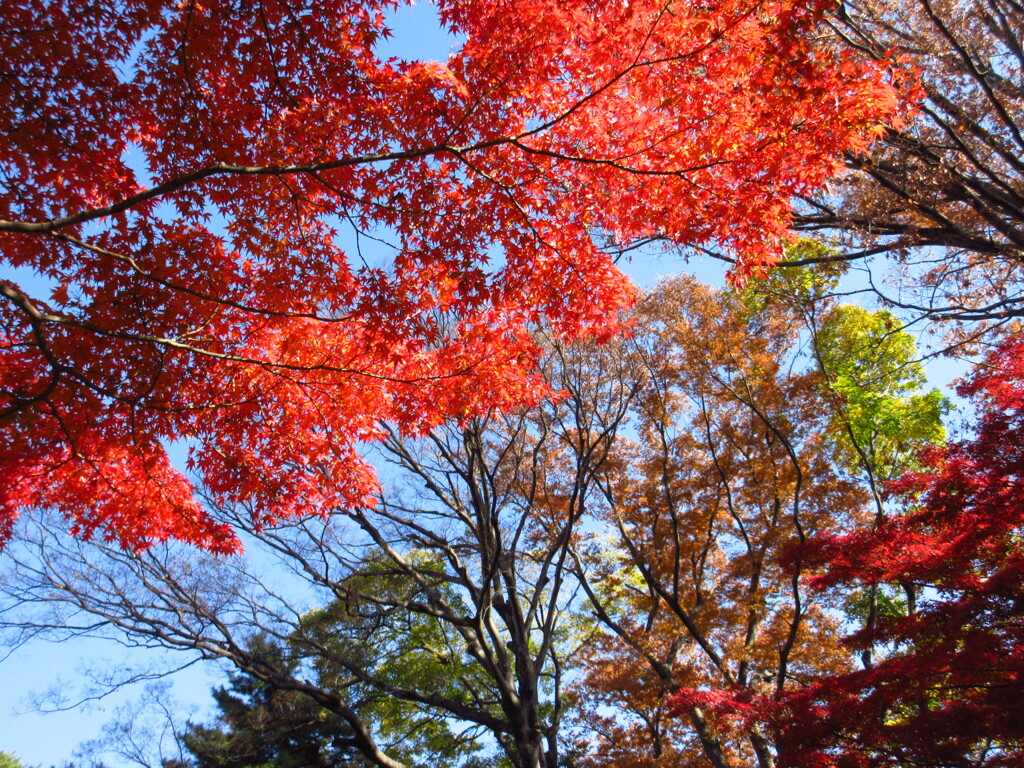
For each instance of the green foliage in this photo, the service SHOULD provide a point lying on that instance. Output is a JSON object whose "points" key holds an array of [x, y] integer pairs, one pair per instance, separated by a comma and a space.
{"points": [[885, 601], [869, 364], [374, 629], [378, 628], [799, 288], [871, 375], [260, 726], [7, 760]]}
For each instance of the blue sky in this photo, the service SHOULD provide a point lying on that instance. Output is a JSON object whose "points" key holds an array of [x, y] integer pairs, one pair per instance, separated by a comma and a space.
{"points": [[38, 667]]}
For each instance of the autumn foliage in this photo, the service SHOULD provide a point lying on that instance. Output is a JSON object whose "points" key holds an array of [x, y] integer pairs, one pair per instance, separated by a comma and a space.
{"points": [[949, 690], [239, 230], [761, 417], [943, 669]]}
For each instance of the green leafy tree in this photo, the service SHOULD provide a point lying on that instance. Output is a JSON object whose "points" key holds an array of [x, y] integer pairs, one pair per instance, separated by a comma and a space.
{"points": [[870, 366], [263, 726], [880, 418], [872, 376], [369, 642], [881, 421], [365, 634]]}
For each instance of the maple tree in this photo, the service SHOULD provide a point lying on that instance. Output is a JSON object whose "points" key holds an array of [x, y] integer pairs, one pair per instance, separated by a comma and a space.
{"points": [[609, 574], [764, 417], [260, 238], [942, 664], [948, 690], [731, 465]]}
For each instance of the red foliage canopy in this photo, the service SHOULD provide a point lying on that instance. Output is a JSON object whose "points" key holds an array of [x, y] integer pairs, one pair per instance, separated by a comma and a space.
{"points": [[197, 182], [951, 691]]}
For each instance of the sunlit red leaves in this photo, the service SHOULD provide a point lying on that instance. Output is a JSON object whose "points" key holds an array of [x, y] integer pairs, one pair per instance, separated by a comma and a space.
{"points": [[306, 239]]}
